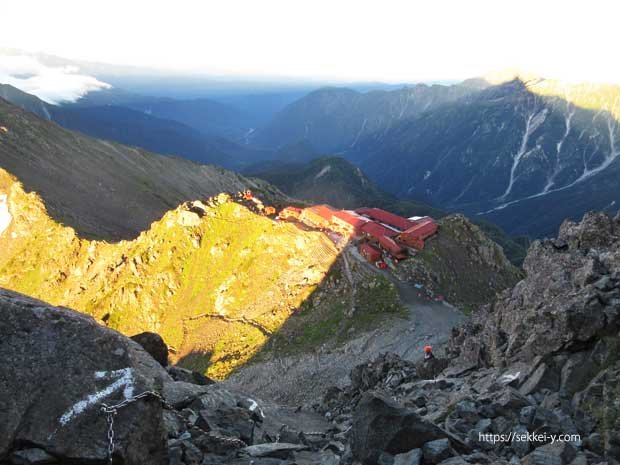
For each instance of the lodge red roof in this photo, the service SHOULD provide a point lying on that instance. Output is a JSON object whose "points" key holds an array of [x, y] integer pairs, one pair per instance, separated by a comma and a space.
{"points": [[324, 211], [370, 252], [377, 230], [386, 217], [422, 229], [392, 247], [351, 218]]}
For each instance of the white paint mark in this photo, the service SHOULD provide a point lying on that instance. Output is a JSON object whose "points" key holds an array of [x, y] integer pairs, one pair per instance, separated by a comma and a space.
{"points": [[5, 215], [253, 406], [509, 378], [124, 380]]}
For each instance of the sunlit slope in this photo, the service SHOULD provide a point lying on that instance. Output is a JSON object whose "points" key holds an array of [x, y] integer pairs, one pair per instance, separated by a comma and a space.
{"points": [[102, 189], [215, 280], [586, 95]]}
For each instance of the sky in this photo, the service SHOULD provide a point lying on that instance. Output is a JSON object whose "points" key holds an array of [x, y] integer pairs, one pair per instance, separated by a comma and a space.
{"points": [[391, 41]]}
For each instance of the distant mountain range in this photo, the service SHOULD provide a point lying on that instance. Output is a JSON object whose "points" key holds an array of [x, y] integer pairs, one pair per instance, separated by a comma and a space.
{"points": [[335, 119], [521, 152], [129, 119], [524, 153]]}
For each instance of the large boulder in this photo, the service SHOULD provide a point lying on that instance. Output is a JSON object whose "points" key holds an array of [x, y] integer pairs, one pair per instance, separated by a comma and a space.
{"points": [[58, 367], [382, 425], [154, 344]]}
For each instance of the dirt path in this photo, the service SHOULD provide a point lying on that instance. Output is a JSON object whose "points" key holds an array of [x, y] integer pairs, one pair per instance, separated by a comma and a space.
{"points": [[301, 379]]}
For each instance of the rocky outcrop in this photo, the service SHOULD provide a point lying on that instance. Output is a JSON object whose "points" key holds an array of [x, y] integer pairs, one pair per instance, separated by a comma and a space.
{"points": [[59, 366], [533, 379], [569, 300], [61, 369], [460, 264], [154, 345]]}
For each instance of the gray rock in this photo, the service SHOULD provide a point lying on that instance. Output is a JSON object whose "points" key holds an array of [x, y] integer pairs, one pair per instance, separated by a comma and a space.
{"points": [[436, 451], [154, 345], [526, 415], [543, 377], [32, 456], [71, 365], [188, 376], [315, 458], [559, 453], [455, 461], [555, 308], [280, 450], [180, 394], [382, 425], [413, 457], [521, 448], [467, 410]]}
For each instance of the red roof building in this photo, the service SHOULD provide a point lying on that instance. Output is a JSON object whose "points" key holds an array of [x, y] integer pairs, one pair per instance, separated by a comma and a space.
{"points": [[392, 247], [290, 212], [319, 216], [370, 253], [376, 230], [348, 223], [416, 234], [388, 218]]}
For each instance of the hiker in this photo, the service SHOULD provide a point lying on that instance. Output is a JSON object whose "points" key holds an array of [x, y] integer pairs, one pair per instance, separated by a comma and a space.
{"points": [[428, 353]]}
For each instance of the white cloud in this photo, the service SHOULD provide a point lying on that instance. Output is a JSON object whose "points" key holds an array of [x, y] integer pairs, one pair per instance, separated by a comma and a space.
{"points": [[53, 84], [390, 40]]}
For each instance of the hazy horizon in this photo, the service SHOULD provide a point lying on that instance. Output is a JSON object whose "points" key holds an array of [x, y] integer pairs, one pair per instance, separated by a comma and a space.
{"points": [[399, 42]]}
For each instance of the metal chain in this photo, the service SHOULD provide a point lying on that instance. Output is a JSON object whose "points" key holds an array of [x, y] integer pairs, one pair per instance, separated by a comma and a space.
{"points": [[111, 410], [110, 421]]}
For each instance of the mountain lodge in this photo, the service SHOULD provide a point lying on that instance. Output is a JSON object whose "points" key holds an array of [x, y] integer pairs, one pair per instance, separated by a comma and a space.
{"points": [[375, 230]]}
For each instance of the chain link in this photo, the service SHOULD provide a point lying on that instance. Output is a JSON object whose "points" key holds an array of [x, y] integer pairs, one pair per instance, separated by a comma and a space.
{"points": [[111, 410], [110, 421]]}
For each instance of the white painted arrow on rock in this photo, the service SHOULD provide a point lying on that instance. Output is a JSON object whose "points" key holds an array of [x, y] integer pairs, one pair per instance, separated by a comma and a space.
{"points": [[123, 380]]}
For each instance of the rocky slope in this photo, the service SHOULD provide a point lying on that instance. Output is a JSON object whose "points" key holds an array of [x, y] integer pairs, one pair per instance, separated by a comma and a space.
{"points": [[65, 368], [332, 332], [223, 284], [215, 279], [532, 379], [461, 264], [102, 189]]}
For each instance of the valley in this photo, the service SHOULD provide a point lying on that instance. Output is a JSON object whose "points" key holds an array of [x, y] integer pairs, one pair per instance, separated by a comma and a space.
{"points": [[247, 272]]}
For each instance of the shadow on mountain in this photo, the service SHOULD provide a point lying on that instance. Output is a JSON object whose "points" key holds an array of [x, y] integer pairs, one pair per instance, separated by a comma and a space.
{"points": [[101, 189], [506, 145]]}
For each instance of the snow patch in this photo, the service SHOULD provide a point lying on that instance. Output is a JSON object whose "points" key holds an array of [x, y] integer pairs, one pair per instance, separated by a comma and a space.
{"points": [[533, 121], [323, 172], [5, 215]]}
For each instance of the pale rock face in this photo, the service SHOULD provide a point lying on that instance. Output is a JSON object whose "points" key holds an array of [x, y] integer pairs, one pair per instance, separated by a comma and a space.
{"points": [[187, 218], [5, 214]]}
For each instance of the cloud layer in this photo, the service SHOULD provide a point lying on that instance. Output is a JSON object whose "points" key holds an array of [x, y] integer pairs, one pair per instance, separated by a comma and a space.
{"points": [[53, 84]]}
